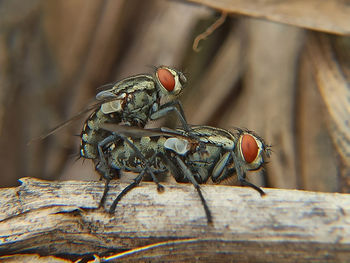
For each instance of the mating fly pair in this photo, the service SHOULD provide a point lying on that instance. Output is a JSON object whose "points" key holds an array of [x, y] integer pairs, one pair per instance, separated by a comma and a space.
{"points": [[208, 152]]}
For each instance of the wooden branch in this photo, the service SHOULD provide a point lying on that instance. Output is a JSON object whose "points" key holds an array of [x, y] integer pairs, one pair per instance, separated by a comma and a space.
{"points": [[285, 226]]}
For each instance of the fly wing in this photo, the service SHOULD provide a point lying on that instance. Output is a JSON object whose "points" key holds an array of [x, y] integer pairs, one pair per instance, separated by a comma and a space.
{"points": [[179, 144], [136, 132], [109, 99], [67, 122]]}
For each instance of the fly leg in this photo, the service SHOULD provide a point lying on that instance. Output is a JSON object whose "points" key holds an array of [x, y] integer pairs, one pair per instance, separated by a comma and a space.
{"points": [[241, 176], [246, 183], [191, 178], [125, 191], [103, 168], [106, 170], [188, 174], [175, 106], [219, 172], [137, 180], [105, 191]]}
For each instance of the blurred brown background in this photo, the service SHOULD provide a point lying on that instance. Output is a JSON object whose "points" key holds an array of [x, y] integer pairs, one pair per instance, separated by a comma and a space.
{"points": [[289, 83]]}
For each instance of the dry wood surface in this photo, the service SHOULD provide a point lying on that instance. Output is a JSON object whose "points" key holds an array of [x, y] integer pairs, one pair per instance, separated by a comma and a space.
{"points": [[284, 226]]}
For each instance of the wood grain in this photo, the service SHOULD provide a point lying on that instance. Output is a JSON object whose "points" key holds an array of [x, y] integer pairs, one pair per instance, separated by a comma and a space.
{"points": [[285, 226]]}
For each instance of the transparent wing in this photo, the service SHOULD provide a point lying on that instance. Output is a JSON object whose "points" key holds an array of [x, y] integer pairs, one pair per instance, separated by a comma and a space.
{"points": [[110, 94], [136, 132], [69, 121]]}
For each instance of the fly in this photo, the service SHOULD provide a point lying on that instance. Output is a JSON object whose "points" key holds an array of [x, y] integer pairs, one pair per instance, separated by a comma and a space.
{"points": [[208, 153], [131, 101]]}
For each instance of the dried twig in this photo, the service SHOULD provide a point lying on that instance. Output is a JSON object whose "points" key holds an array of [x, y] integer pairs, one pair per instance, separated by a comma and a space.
{"points": [[209, 31], [53, 218]]}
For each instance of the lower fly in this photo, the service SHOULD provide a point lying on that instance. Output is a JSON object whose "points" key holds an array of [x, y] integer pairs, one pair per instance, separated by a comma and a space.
{"points": [[208, 153]]}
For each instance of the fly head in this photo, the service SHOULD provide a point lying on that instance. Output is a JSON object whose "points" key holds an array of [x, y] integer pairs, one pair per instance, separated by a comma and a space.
{"points": [[169, 81], [249, 153], [251, 150]]}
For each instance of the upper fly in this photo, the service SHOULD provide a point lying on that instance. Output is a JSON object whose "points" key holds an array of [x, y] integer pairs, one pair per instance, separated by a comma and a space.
{"points": [[132, 102]]}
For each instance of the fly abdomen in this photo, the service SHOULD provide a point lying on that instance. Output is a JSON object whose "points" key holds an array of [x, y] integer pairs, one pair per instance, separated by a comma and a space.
{"points": [[122, 156], [92, 133]]}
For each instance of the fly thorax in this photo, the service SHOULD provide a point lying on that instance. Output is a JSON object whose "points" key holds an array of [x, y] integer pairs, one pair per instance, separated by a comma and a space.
{"points": [[206, 157], [224, 142], [141, 100], [137, 110], [201, 149]]}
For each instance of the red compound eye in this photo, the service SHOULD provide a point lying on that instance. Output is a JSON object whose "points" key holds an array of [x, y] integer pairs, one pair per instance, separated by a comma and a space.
{"points": [[249, 148], [166, 79]]}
